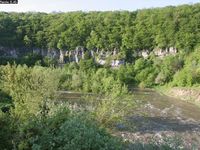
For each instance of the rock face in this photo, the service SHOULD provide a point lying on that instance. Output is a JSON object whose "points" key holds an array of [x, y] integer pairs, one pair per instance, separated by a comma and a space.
{"points": [[61, 58], [9, 52], [116, 63], [145, 53], [158, 52], [101, 56], [52, 53], [110, 57], [20, 52], [165, 52], [101, 62], [65, 56], [13, 53]]}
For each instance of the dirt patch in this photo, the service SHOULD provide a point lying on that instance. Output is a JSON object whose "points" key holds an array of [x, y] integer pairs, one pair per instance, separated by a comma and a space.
{"points": [[187, 94]]}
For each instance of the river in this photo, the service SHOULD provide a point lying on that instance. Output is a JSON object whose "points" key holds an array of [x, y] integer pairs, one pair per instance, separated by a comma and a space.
{"points": [[161, 117]]}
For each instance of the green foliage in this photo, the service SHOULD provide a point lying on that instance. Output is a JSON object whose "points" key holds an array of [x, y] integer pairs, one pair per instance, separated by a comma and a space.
{"points": [[61, 129], [47, 61], [112, 108], [127, 31], [190, 74], [29, 87], [145, 72], [87, 64], [5, 102], [6, 131], [32, 59], [126, 74], [167, 67], [27, 41], [103, 82], [5, 60], [64, 130]]}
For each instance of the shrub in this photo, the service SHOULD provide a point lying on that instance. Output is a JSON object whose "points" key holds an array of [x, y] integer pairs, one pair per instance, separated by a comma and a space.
{"points": [[146, 77], [5, 102], [6, 132], [65, 130], [87, 64], [126, 74], [112, 109], [31, 59], [190, 74], [48, 61], [29, 87]]}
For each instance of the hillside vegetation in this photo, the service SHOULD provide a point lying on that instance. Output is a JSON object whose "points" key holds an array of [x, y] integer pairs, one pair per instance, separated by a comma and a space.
{"points": [[128, 31], [143, 29]]}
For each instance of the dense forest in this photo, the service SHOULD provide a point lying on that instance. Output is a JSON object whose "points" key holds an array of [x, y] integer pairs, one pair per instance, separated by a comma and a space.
{"points": [[129, 31]]}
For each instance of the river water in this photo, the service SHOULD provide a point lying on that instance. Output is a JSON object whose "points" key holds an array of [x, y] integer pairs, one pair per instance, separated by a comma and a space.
{"points": [[159, 117], [158, 105]]}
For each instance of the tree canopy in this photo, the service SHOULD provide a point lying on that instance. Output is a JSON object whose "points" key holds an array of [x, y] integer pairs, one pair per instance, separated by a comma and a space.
{"points": [[128, 31]]}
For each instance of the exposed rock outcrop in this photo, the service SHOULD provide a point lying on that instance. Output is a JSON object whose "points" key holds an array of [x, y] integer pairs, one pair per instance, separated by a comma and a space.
{"points": [[100, 56], [157, 52], [165, 52]]}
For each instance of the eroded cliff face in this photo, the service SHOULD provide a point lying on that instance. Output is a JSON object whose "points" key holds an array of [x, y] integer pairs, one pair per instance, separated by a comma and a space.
{"points": [[66, 56], [187, 94], [19, 52], [158, 52], [101, 56], [9, 52]]}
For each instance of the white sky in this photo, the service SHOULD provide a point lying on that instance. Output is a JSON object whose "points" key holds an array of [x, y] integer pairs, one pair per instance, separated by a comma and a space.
{"points": [[88, 5]]}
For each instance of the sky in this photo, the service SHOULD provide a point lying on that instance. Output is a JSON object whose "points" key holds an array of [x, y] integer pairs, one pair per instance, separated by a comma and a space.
{"points": [[88, 5]]}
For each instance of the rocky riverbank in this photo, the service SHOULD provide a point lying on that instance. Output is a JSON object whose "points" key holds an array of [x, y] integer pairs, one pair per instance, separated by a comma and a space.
{"points": [[161, 127], [191, 95], [163, 121]]}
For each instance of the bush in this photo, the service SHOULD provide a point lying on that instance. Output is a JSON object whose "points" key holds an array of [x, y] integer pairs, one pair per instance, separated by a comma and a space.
{"points": [[48, 61], [5, 102], [126, 74], [6, 131], [112, 109], [167, 68], [99, 81], [146, 77], [65, 130], [87, 64], [183, 78], [190, 74], [31, 59], [30, 87]]}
